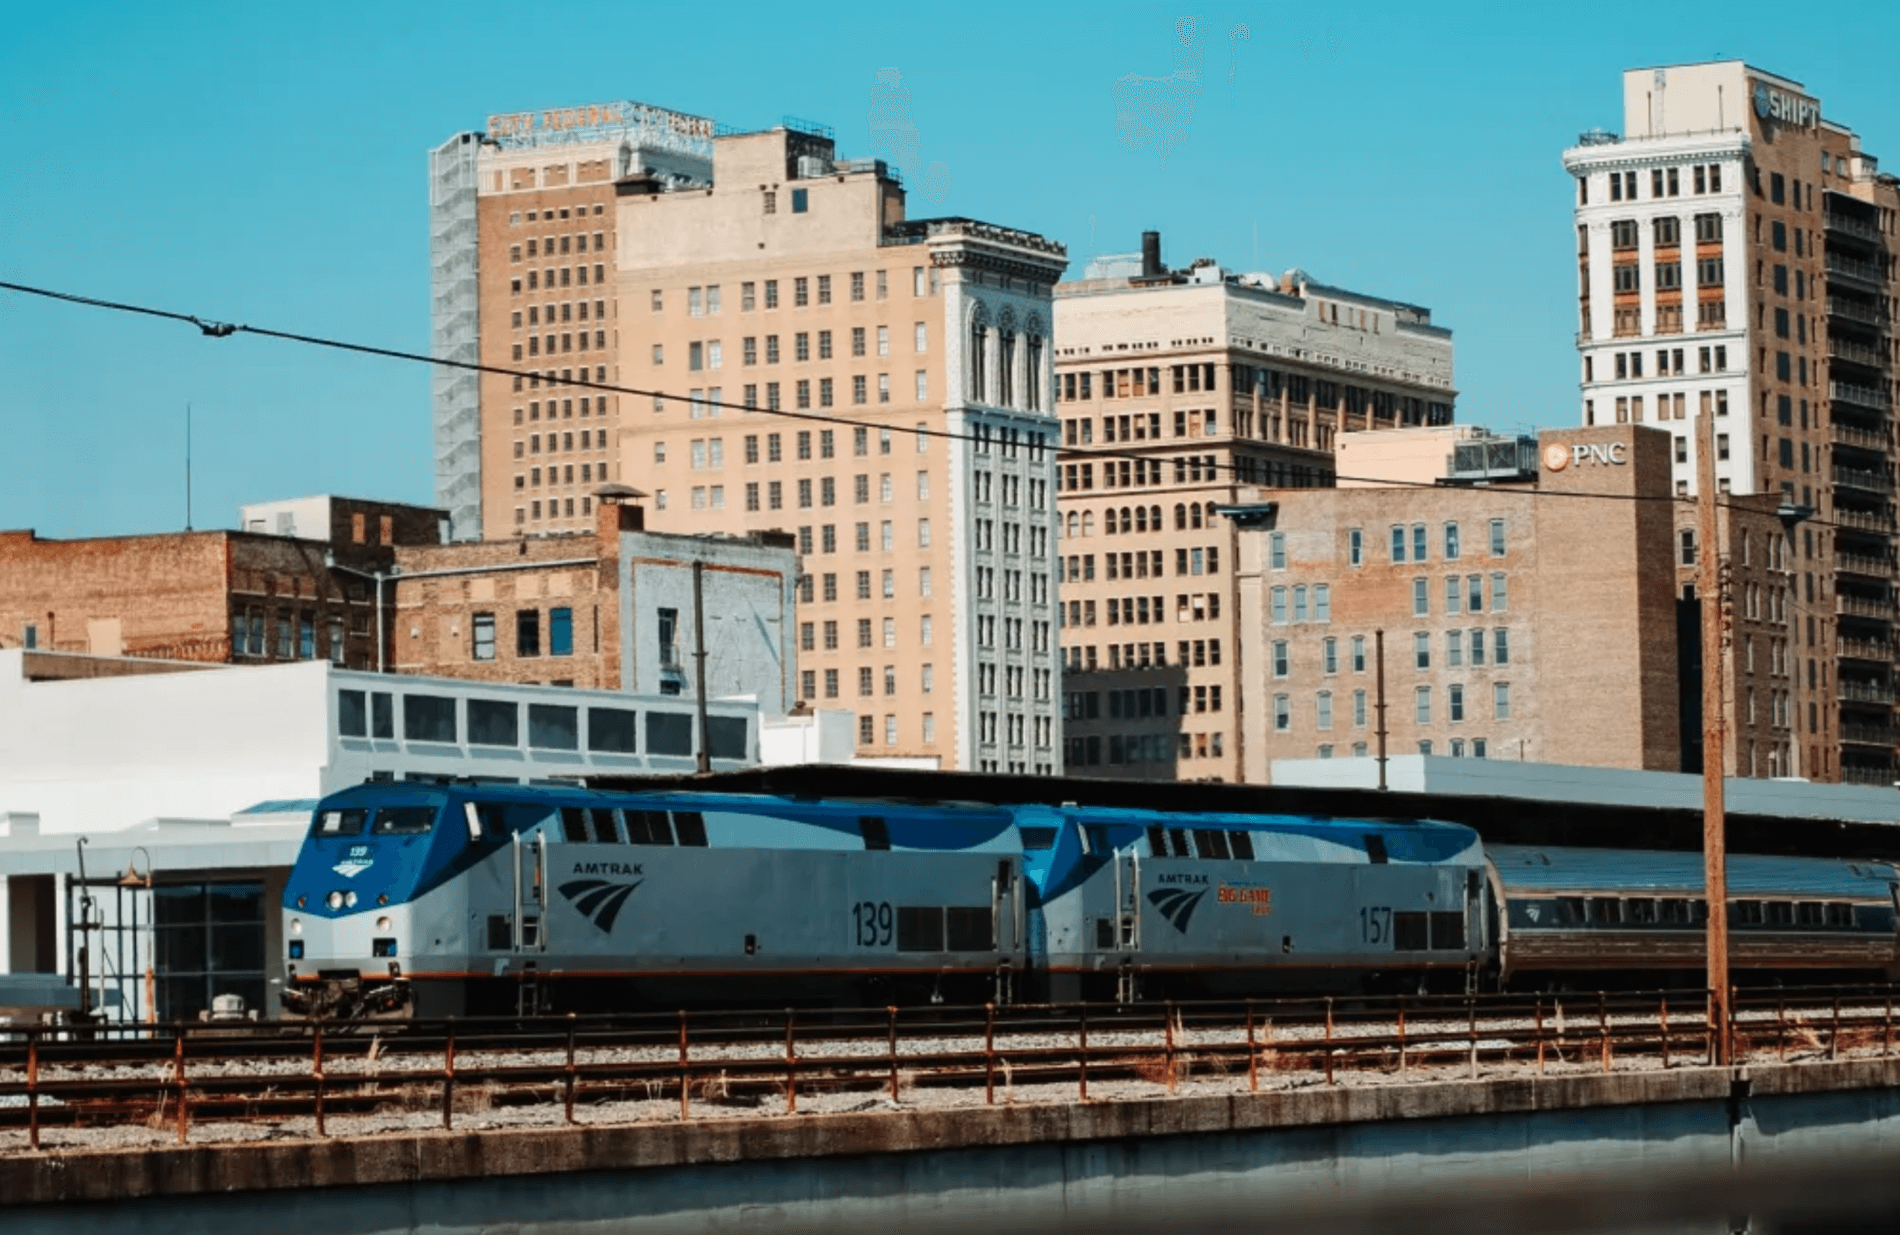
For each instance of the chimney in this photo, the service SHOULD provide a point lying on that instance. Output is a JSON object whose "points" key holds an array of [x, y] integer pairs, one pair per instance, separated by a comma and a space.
{"points": [[1150, 254]]}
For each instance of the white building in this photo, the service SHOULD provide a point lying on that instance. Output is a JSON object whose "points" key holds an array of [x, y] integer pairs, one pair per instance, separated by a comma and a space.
{"points": [[207, 775]]}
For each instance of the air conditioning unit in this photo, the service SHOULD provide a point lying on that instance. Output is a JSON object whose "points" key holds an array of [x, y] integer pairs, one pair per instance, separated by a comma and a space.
{"points": [[811, 166]]}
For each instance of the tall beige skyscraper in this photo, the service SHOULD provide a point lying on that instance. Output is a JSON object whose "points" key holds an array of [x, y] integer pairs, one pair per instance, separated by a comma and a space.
{"points": [[1178, 389], [878, 386]]}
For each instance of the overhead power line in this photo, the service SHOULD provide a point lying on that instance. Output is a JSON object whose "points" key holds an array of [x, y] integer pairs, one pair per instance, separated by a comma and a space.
{"points": [[221, 330]]}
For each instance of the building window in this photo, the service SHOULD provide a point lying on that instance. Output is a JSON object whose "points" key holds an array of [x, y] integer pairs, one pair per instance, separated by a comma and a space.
{"points": [[1421, 597], [560, 632], [1501, 700], [1421, 650], [1422, 705], [528, 632], [800, 202], [1282, 713], [482, 636], [1355, 547], [1455, 703]]}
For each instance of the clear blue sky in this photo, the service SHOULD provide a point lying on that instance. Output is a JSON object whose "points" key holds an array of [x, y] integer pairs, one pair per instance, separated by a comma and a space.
{"points": [[265, 163]]}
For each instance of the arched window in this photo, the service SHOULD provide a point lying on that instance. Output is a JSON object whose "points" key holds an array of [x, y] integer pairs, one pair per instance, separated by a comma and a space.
{"points": [[1127, 523], [1154, 517], [1006, 365], [979, 340], [1141, 518], [1194, 514], [1088, 523], [1034, 381], [1180, 517], [1072, 524], [1210, 514]]}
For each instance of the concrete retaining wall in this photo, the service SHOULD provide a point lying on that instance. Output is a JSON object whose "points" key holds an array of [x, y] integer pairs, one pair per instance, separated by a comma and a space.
{"points": [[984, 1167]]}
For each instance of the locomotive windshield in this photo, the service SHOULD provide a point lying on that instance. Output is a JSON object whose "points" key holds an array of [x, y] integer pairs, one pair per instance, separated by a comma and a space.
{"points": [[389, 821], [403, 820]]}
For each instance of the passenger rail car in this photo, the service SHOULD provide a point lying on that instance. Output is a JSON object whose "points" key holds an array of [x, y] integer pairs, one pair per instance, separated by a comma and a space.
{"points": [[1644, 915], [1145, 904], [441, 900]]}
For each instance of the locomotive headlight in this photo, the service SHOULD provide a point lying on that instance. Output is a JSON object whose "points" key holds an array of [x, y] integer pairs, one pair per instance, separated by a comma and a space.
{"points": [[349, 898], [334, 900], [296, 926], [382, 924]]}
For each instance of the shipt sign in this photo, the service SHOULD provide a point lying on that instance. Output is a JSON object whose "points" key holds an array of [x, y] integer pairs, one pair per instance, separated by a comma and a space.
{"points": [[1786, 108]]}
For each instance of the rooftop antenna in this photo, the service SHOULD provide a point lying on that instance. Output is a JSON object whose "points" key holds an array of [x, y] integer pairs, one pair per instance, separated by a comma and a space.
{"points": [[187, 466]]}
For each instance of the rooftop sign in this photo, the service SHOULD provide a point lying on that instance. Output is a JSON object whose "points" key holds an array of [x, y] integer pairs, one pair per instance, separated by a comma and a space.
{"points": [[596, 121], [1779, 105]]}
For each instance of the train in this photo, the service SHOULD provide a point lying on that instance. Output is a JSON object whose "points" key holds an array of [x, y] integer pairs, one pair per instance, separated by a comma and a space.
{"points": [[437, 899]]}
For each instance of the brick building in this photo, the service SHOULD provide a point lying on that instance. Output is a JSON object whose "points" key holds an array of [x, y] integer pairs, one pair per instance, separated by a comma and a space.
{"points": [[293, 586], [1528, 597], [1177, 390], [1735, 257], [610, 609]]}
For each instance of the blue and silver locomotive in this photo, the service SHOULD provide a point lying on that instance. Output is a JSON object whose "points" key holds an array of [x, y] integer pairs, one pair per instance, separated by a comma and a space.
{"points": [[443, 899]]}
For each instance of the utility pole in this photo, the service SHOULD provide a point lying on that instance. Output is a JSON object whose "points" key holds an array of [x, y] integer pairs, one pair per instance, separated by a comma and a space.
{"points": [[1714, 733], [1378, 654], [699, 663]]}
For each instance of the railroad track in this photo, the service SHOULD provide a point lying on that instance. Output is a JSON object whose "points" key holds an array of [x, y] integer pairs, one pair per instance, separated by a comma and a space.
{"points": [[305, 1077]]}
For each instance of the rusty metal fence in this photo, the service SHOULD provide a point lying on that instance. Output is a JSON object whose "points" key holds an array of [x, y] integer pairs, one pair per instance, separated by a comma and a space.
{"points": [[704, 1064]]}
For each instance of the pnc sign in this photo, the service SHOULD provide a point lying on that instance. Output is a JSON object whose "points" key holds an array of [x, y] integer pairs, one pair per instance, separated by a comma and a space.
{"points": [[1558, 456], [1779, 105]]}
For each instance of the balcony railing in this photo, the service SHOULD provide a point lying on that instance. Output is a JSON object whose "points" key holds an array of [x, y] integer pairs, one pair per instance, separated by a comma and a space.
{"points": [[1879, 525], [1866, 396], [1854, 311], [1865, 649], [1857, 606], [1852, 774], [1854, 268], [1859, 353], [1865, 692], [1851, 435], [1871, 735], [1864, 564], [1847, 224], [1859, 478]]}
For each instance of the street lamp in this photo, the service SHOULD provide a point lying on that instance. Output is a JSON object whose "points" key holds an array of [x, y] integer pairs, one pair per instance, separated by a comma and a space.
{"points": [[133, 880]]}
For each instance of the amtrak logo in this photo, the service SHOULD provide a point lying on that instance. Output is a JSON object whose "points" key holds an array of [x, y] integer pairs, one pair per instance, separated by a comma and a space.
{"points": [[599, 900], [350, 868], [1533, 912], [1176, 906]]}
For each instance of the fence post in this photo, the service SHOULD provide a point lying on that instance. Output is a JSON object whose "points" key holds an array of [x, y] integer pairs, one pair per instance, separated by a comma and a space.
{"points": [[178, 1074], [571, 1025], [892, 1009], [1781, 1030], [316, 1073], [791, 1070], [1471, 1013], [686, 1072], [1834, 1038], [1253, 1060], [448, 1077], [1329, 1039], [1662, 1019], [989, 1054], [1401, 1033], [1540, 1035], [1603, 1027], [1167, 1012], [33, 1087], [1082, 1054]]}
